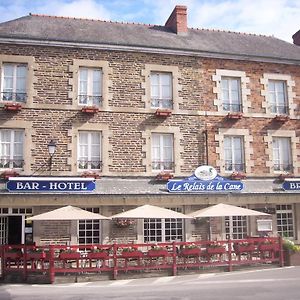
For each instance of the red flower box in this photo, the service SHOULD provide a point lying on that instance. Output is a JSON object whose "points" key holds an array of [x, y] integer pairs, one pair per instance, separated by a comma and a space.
{"points": [[163, 112], [12, 106], [132, 254], [216, 250], [36, 256], [164, 176], [234, 115], [97, 255], [9, 173], [191, 252], [75, 255], [13, 255], [90, 109], [281, 118], [268, 247], [238, 175], [90, 175], [158, 253], [244, 249]]}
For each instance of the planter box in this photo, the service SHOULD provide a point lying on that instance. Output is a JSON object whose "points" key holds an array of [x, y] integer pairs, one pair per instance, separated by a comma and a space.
{"points": [[191, 252], [291, 258], [217, 250], [163, 113], [90, 109], [164, 176], [6, 174], [75, 255], [234, 116], [268, 247], [12, 106], [238, 176], [281, 118], [97, 255], [36, 256], [13, 255], [133, 254], [158, 253], [244, 249]]}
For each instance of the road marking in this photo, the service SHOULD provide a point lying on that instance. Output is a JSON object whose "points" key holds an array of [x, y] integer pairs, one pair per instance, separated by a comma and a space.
{"points": [[121, 282]]}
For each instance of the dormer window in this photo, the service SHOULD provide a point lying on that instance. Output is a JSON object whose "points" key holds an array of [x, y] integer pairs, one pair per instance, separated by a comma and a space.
{"points": [[90, 87], [161, 90], [13, 82]]}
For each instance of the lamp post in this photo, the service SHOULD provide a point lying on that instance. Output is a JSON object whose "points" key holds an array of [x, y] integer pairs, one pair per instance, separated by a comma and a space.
{"points": [[51, 151]]}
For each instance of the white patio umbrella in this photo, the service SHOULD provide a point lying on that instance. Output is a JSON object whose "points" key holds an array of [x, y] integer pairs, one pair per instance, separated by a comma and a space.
{"points": [[68, 213], [225, 210], [150, 212]]}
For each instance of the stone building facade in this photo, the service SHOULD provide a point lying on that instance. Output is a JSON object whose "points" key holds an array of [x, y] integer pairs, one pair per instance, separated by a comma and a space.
{"points": [[231, 101]]}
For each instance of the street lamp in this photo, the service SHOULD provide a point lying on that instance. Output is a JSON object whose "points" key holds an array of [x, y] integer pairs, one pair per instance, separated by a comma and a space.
{"points": [[51, 151]]}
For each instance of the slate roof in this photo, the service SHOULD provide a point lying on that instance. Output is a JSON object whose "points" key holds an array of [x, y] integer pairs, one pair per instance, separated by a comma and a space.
{"points": [[84, 32]]}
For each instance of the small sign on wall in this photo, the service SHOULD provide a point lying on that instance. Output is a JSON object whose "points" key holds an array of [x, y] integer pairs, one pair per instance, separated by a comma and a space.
{"points": [[264, 225]]}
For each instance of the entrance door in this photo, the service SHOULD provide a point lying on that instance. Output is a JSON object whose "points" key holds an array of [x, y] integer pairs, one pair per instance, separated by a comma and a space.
{"points": [[3, 230], [14, 230]]}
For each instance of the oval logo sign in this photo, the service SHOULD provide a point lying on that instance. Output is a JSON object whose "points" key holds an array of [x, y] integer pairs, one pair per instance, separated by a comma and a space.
{"points": [[206, 173]]}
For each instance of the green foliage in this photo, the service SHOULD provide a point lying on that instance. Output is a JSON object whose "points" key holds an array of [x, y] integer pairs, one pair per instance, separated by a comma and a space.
{"points": [[290, 245]]}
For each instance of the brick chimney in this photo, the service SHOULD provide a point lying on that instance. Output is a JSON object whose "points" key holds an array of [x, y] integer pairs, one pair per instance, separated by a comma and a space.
{"points": [[296, 38], [177, 21]]}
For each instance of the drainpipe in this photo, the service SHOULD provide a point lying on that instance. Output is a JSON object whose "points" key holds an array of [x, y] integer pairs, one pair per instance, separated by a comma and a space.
{"points": [[206, 145]]}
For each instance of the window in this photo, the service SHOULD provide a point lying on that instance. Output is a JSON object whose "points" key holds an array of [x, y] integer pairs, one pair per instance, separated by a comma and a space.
{"points": [[90, 86], [231, 94], [89, 230], [13, 82], [234, 153], [162, 152], [278, 97], [163, 230], [282, 156], [89, 151], [236, 227], [161, 90], [285, 220], [11, 148]]}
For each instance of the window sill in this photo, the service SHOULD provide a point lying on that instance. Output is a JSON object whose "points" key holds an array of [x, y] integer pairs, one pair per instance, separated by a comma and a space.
{"points": [[163, 112]]}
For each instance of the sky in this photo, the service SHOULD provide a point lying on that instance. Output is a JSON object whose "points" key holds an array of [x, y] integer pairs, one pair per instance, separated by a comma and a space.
{"points": [[279, 18]]}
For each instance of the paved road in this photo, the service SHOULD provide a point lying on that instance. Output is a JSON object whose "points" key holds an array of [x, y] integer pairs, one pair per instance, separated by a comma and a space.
{"points": [[273, 284]]}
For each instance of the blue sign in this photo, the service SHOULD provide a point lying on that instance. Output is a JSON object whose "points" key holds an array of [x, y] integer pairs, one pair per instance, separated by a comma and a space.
{"points": [[291, 185], [55, 184], [192, 186]]}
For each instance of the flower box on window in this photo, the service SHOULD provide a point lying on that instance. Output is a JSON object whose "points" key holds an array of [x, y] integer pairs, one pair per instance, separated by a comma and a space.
{"points": [[238, 175], [163, 112], [164, 176], [90, 109], [12, 106], [234, 115], [8, 173], [283, 176], [90, 174], [281, 118]]}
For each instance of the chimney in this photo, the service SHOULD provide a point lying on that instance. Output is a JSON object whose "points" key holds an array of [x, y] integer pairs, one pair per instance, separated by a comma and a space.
{"points": [[177, 21], [296, 38]]}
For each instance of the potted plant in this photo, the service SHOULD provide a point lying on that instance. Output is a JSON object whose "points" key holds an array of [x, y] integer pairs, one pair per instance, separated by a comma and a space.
{"points": [[36, 254], [291, 253], [234, 115], [12, 106], [190, 250], [164, 176], [90, 109], [131, 252], [238, 175], [243, 247]]}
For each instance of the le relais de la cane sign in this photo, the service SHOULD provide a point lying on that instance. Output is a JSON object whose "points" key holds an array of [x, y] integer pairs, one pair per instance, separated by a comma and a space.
{"points": [[205, 179], [50, 184]]}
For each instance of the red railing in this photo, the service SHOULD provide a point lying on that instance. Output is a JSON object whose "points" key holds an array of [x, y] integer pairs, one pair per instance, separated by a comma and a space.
{"points": [[113, 259]]}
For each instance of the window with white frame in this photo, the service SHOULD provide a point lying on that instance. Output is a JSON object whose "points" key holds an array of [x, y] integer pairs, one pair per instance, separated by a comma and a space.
{"points": [[278, 97], [89, 230], [236, 227], [90, 86], [282, 156], [234, 153], [89, 150], [11, 148], [231, 94], [163, 230], [162, 152], [161, 90], [13, 82], [285, 220]]}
